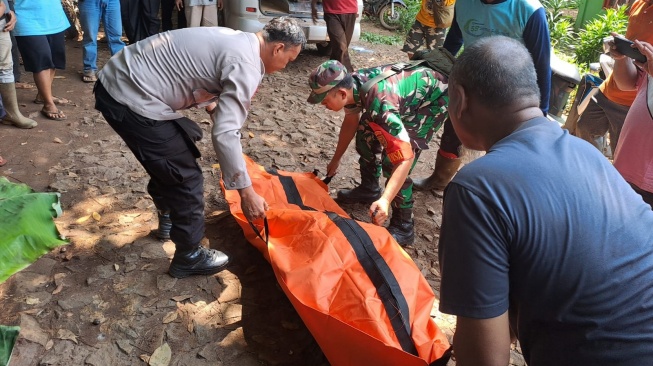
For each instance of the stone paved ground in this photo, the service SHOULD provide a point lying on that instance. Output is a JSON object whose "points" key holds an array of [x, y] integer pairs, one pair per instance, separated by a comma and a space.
{"points": [[106, 299]]}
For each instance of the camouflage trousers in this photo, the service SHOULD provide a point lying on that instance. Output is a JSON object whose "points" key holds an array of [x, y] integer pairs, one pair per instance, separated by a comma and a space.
{"points": [[420, 36], [368, 147]]}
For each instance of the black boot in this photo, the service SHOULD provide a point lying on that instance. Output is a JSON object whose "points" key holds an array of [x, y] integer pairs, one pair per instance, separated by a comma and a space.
{"points": [[367, 192], [197, 261], [402, 227], [165, 224]]}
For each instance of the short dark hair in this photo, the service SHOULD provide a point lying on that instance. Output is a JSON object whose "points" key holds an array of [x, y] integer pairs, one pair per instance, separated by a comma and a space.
{"points": [[498, 70], [284, 30]]}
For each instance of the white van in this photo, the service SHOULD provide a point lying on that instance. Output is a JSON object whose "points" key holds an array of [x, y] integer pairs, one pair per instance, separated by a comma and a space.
{"points": [[252, 15]]}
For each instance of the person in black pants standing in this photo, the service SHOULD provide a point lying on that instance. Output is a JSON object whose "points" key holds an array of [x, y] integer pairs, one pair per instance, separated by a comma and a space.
{"points": [[167, 7], [140, 18]]}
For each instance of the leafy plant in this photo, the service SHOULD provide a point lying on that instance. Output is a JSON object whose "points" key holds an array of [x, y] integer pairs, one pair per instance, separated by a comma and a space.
{"points": [[560, 25], [381, 39], [26, 227], [590, 40], [562, 34], [407, 17]]}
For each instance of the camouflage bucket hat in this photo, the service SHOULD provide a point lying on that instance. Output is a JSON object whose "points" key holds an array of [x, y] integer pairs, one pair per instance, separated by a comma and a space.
{"points": [[324, 78]]}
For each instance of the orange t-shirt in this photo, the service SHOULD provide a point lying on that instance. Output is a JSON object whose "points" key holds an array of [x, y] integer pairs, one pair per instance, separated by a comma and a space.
{"points": [[640, 27], [425, 14]]}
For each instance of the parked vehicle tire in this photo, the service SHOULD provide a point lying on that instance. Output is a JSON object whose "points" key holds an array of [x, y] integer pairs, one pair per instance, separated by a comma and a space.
{"points": [[388, 19], [324, 48]]}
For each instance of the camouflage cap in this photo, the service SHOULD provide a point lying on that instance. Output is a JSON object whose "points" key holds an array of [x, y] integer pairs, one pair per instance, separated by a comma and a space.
{"points": [[324, 78]]}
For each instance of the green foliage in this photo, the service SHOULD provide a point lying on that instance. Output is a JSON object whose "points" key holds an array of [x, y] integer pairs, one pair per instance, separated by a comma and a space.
{"points": [[561, 27], [590, 40], [408, 16], [26, 227], [8, 336], [562, 35], [554, 8], [381, 39]]}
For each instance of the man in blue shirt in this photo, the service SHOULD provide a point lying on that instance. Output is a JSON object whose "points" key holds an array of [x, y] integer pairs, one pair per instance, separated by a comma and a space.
{"points": [[568, 271], [522, 20]]}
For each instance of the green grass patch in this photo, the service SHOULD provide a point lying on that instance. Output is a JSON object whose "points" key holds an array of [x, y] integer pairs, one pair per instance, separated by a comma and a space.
{"points": [[381, 39]]}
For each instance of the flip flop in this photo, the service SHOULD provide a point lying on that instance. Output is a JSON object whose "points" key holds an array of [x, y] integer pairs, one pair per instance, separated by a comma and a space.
{"points": [[89, 77], [55, 116], [57, 100], [2, 161], [24, 86]]}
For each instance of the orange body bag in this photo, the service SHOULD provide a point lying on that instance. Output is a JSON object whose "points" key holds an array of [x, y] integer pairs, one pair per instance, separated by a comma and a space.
{"points": [[358, 292]]}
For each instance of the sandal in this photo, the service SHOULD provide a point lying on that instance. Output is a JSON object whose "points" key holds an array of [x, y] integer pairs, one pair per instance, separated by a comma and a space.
{"points": [[2, 161], [89, 77], [57, 100], [24, 85], [55, 116]]}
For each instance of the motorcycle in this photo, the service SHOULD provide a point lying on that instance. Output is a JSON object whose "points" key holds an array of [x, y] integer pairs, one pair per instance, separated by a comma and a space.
{"points": [[388, 11]]}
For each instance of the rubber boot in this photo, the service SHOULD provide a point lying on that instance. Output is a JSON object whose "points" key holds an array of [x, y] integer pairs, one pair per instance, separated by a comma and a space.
{"points": [[367, 192], [13, 117], [402, 227], [165, 224], [197, 261], [445, 169]]}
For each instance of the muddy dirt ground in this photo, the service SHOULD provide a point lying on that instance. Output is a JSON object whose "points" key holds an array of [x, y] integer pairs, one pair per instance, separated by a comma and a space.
{"points": [[106, 299]]}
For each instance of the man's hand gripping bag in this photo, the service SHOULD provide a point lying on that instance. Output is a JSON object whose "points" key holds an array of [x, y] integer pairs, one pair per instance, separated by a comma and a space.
{"points": [[361, 296]]}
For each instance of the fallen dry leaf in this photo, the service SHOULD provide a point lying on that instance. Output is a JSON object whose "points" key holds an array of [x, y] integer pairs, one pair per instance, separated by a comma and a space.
{"points": [[170, 317], [58, 289], [161, 356], [66, 335], [181, 298], [82, 219]]}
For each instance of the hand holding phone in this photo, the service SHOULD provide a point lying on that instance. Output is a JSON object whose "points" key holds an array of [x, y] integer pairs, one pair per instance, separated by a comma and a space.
{"points": [[624, 46]]}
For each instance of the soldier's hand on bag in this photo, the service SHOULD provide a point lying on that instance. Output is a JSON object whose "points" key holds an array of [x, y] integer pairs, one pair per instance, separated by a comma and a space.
{"points": [[379, 211], [253, 205], [332, 168]]}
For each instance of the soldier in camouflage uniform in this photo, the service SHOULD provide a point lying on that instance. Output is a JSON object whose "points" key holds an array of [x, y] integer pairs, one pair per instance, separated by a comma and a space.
{"points": [[397, 117], [430, 26]]}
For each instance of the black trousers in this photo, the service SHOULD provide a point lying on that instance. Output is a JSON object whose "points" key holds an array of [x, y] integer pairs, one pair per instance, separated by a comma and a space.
{"points": [[140, 18], [450, 142], [167, 151], [167, 7]]}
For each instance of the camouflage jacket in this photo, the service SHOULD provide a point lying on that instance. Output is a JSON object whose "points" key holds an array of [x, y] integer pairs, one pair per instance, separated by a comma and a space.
{"points": [[403, 110]]}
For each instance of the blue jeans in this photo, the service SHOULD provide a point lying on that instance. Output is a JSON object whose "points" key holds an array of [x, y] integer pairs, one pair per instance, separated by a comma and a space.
{"points": [[90, 14]]}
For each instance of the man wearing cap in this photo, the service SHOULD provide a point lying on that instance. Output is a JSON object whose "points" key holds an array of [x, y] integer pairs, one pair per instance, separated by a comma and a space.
{"points": [[139, 92], [397, 116]]}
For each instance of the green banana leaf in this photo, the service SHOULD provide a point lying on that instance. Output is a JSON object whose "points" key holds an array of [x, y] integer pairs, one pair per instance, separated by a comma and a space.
{"points": [[27, 230], [8, 335]]}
